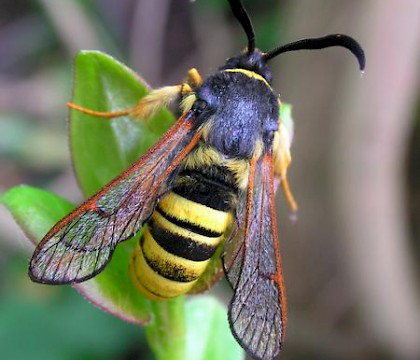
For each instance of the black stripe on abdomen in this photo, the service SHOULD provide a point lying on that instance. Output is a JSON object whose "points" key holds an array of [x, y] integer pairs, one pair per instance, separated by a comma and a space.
{"points": [[211, 188], [179, 245], [188, 225]]}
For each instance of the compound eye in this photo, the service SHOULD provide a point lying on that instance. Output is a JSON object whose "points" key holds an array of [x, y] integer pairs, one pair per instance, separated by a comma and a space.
{"points": [[199, 106]]}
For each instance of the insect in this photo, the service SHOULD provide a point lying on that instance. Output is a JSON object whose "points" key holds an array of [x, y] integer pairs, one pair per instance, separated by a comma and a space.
{"points": [[208, 182]]}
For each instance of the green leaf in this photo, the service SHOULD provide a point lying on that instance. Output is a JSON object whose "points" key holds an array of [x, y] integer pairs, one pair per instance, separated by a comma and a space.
{"points": [[36, 211], [71, 327], [287, 119], [211, 337], [103, 148]]}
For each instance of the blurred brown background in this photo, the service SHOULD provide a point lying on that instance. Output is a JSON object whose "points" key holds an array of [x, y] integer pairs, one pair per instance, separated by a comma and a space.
{"points": [[352, 259]]}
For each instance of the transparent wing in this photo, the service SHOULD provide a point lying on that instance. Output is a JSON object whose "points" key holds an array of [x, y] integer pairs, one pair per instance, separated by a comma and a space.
{"points": [[257, 312], [79, 246]]}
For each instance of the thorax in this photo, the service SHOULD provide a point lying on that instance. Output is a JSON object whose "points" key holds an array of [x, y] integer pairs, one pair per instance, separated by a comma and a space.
{"points": [[242, 112]]}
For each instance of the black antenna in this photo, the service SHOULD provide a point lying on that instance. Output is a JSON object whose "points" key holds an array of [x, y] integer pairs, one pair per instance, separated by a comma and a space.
{"points": [[243, 18], [322, 43]]}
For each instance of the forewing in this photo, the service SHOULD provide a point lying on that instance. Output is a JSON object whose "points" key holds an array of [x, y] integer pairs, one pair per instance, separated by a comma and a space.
{"points": [[79, 246], [257, 312]]}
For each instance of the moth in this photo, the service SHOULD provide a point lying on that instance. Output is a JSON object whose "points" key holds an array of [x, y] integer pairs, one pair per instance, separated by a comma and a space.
{"points": [[208, 182]]}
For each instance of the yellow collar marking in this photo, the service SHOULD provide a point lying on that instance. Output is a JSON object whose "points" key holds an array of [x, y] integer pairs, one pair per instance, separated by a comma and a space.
{"points": [[251, 74]]}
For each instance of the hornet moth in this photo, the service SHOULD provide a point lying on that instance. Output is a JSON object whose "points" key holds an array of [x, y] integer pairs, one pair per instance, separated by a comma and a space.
{"points": [[208, 182]]}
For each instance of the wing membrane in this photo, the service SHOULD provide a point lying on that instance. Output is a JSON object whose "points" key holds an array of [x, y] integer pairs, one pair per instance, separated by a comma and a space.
{"points": [[257, 312], [79, 246]]}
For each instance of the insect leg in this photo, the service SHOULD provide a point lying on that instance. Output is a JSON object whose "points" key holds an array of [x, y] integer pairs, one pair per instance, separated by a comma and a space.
{"points": [[148, 106], [192, 82], [105, 114], [288, 193], [194, 79], [282, 160], [145, 109]]}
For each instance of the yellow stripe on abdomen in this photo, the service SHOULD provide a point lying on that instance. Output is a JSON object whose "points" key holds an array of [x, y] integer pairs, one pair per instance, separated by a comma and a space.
{"points": [[170, 266], [160, 220], [195, 213], [151, 284]]}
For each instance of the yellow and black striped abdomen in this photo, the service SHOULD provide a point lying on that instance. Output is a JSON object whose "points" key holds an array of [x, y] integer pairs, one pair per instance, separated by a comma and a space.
{"points": [[184, 231]]}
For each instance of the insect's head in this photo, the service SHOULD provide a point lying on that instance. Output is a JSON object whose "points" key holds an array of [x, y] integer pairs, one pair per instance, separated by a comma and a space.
{"points": [[255, 60]]}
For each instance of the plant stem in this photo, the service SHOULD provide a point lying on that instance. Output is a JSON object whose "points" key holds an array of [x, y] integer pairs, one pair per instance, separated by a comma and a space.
{"points": [[166, 335]]}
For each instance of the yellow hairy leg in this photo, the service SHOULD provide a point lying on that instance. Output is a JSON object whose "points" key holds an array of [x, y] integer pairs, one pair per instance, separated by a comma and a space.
{"points": [[151, 103], [282, 160], [194, 79], [144, 109]]}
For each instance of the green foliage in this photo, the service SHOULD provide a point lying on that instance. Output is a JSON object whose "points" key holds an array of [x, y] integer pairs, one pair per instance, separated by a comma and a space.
{"points": [[58, 323], [212, 338], [103, 148], [287, 120]]}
